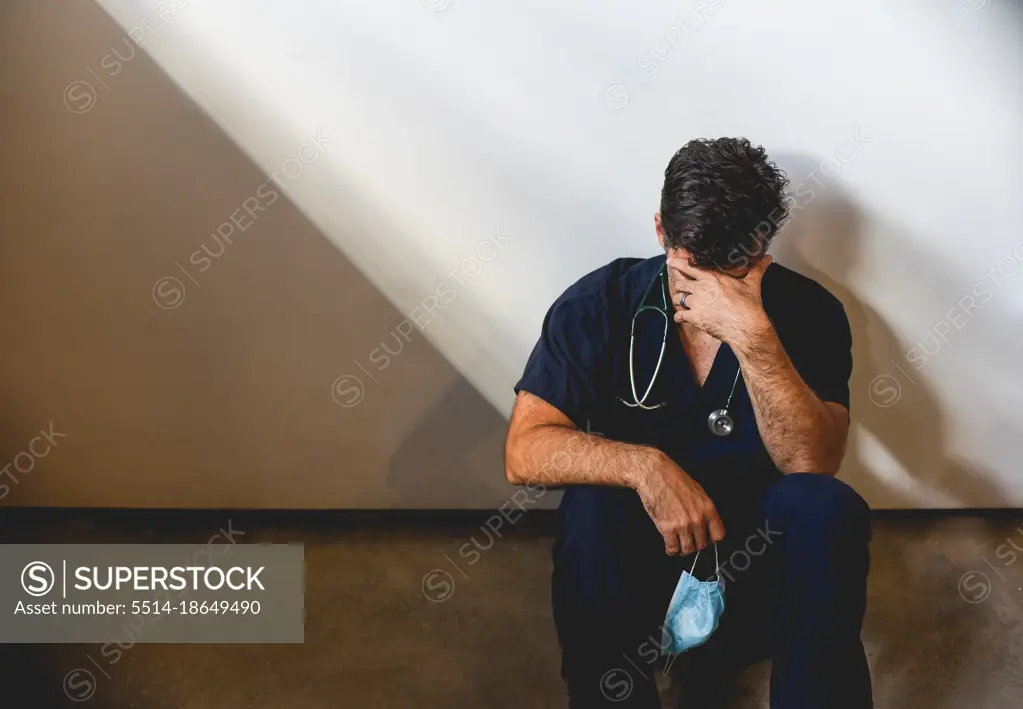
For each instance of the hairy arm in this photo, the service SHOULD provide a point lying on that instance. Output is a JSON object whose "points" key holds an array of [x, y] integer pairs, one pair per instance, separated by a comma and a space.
{"points": [[802, 434], [545, 448]]}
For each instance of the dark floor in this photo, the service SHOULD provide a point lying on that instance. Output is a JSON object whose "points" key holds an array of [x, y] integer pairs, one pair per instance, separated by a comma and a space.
{"points": [[944, 626]]}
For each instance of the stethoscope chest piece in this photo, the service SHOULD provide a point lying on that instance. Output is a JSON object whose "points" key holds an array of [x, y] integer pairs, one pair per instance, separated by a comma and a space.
{"points": [[720, 423]]}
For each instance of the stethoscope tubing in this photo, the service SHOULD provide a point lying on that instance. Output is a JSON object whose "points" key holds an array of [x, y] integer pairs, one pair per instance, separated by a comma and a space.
{"points": [[637, 401]]}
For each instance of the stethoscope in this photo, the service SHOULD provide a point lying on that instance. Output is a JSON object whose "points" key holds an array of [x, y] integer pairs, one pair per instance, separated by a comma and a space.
{"points": [[719, 422]]}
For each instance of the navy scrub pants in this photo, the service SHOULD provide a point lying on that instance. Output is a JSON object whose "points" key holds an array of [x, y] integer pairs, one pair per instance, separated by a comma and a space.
{"points": [[795, 573]]}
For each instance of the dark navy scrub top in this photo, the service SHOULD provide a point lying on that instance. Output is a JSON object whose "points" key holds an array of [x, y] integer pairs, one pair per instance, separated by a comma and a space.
{"points": [[580, 365]]}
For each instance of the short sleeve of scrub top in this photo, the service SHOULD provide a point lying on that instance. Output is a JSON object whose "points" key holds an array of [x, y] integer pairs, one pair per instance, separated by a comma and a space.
{"points": [[571, 361], [818, 340]]}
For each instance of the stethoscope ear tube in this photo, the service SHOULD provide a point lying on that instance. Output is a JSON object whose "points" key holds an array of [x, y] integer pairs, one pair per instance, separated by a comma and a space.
{"points": [[632, 376], [641, 402]]}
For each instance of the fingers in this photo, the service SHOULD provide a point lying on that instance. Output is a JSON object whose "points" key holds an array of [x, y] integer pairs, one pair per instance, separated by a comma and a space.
{"points": [[671, 545], [684, 270], [679, 542], [710, 518], [681, 511], [716, 527], [692, 539], [699, 532], [758, 270], [703, 295], [685, 538]]}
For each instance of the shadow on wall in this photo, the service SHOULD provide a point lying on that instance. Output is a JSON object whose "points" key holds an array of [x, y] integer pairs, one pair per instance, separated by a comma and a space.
{"points": [[893, 406], [890, 402], [900, 412], [226, 401], [461, 442], [223, 398]]}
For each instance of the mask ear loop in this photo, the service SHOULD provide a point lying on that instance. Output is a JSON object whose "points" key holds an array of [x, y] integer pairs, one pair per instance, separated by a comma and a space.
{"points": [[717, 575], [717, 563], [669, 663]]}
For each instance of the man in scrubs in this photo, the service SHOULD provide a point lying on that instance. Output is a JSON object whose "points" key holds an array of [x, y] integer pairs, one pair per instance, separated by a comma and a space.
{"points": [[648, 486]]}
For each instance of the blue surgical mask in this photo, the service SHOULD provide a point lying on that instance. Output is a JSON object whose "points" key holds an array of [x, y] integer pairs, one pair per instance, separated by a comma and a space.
{"points": [[694, 611]]}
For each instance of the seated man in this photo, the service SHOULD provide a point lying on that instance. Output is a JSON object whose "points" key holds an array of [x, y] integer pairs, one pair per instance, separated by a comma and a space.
{"points": [[718, 421]]}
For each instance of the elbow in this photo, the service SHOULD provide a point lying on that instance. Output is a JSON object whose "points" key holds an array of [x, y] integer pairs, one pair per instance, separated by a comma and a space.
{"points": [[509, 473], [828, 467], [511, 465], [832, 448], [824, 464], [823, 455], [831, 461]]}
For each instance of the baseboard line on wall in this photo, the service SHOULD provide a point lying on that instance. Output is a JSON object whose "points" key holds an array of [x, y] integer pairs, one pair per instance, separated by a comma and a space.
{"points": [[435, 520]]}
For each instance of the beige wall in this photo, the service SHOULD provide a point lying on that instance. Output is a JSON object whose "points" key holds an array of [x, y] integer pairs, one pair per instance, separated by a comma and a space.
{"points": [[447, 124], [225, 400]]}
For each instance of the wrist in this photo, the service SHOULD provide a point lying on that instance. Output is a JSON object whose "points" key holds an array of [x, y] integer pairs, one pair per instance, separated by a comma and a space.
{"points": [[647, 466], [757, 331]]}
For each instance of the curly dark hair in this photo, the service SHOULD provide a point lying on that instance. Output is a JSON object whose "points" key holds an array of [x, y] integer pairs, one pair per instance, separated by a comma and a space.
{"points": [[723, 201]]}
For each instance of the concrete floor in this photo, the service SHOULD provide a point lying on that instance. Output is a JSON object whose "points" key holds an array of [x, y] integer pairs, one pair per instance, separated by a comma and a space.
{"points": [[944, 625]]}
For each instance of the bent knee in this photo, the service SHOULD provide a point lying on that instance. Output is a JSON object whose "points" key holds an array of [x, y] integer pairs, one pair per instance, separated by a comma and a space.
{"points": [[819, 503]]}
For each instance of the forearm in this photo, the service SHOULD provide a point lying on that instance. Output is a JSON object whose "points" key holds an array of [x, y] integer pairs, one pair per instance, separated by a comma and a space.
{"points": [[796, 427], [555, 455]]}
